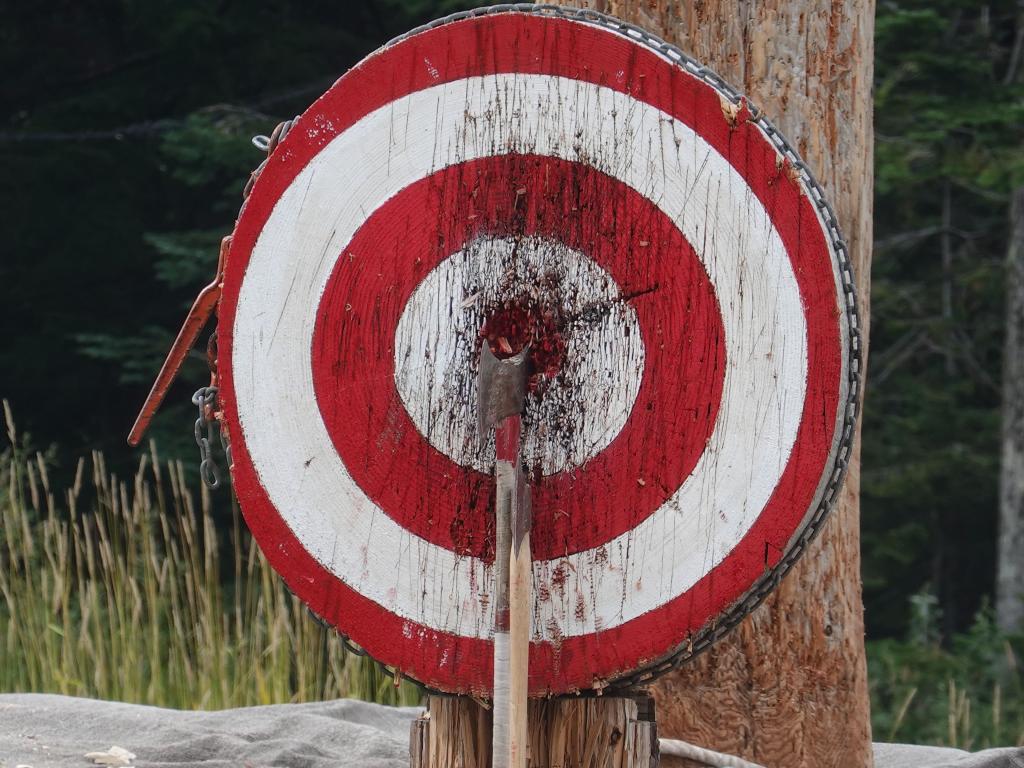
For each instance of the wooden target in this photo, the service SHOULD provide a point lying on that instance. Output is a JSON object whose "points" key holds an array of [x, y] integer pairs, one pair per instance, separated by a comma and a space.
{"points": [[549, 178]]}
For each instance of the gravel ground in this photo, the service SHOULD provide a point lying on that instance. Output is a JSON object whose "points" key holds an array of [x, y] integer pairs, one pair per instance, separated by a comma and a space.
{"points": [[42, 731]]}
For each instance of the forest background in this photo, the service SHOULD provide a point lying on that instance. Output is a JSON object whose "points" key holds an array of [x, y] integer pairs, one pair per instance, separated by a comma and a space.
{"points": [[125, 134]]}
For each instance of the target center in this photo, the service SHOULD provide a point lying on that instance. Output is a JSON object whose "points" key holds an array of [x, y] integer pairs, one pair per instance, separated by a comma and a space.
{"points": [[534, 320], [586, 350]]}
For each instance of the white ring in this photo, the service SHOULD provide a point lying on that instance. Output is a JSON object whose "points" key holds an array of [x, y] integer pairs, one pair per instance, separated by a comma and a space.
{"points": [[645, 148]]}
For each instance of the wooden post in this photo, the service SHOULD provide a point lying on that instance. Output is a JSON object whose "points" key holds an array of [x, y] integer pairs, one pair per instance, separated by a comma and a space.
{"points": [[594, 732], [789, 685], [519, 647]]}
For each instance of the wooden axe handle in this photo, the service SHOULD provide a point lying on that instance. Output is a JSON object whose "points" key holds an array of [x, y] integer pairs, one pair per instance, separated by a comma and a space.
{"points": [[520, 602]]}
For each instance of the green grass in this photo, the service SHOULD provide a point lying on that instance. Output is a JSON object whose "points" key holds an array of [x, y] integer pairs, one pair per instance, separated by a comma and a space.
{"points": [[126, 590], [969, 695]]}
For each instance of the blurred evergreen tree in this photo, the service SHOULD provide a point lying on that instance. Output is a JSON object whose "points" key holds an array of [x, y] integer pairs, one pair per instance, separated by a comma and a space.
{"points": [[949, 109]]}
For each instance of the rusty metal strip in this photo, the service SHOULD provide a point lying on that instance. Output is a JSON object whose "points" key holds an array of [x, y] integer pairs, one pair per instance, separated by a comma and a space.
{"points": [[196, 319]]}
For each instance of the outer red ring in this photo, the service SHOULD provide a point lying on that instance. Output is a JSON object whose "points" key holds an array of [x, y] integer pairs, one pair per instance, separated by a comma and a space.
{"points": [[527, 43], [422, 489]]}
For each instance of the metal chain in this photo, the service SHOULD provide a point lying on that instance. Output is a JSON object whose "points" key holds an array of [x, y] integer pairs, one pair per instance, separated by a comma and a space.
{"points": [[267, 144], [205, 399], [212, 351], [842, 447]]}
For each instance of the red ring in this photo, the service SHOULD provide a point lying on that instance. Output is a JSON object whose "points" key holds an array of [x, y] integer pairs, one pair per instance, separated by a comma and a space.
{"points": [[673, 416]]}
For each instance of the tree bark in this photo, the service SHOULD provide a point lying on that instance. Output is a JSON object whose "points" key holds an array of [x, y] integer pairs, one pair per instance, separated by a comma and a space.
{"points": [[789, 686], [1010, 564]]}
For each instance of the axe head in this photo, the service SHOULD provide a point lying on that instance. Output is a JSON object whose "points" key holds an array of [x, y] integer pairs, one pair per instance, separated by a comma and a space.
{"points": [[501, 387]]}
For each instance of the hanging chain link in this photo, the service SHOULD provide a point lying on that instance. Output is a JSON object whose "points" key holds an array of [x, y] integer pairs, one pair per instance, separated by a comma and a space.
{"points": [[205, 399], [267, 144], [829, 490]]}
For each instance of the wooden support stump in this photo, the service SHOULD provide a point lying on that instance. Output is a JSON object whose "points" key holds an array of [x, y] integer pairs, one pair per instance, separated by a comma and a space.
{"points": [[594, 732]]}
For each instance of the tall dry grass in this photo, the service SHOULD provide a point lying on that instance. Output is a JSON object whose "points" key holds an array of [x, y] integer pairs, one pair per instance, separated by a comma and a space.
{"points": [[127, 590]]}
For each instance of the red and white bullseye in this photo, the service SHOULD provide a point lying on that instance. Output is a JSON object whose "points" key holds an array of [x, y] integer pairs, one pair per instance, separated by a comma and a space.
{"points": [[688, 415]]}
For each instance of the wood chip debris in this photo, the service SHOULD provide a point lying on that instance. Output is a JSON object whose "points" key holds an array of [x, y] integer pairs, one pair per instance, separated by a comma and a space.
{"points": [[115, 756]]}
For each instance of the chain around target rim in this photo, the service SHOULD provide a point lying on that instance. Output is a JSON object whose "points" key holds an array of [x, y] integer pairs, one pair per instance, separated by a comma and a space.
{"points": [[746, 604]]}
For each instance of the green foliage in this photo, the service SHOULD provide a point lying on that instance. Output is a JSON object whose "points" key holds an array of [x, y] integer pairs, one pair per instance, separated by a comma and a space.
{"points": [[970, 695], [136, 356], [186, 259], [211, 152], [948, 115], [943, 107]]}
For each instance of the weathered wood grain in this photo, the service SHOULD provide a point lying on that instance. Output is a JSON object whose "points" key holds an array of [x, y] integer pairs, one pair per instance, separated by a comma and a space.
{"points": [[608, 732], [789, 686]]}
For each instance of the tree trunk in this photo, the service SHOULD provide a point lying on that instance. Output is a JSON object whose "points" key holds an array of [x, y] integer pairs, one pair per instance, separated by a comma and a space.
{"points": [[1010, 566], [789, 686]]}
